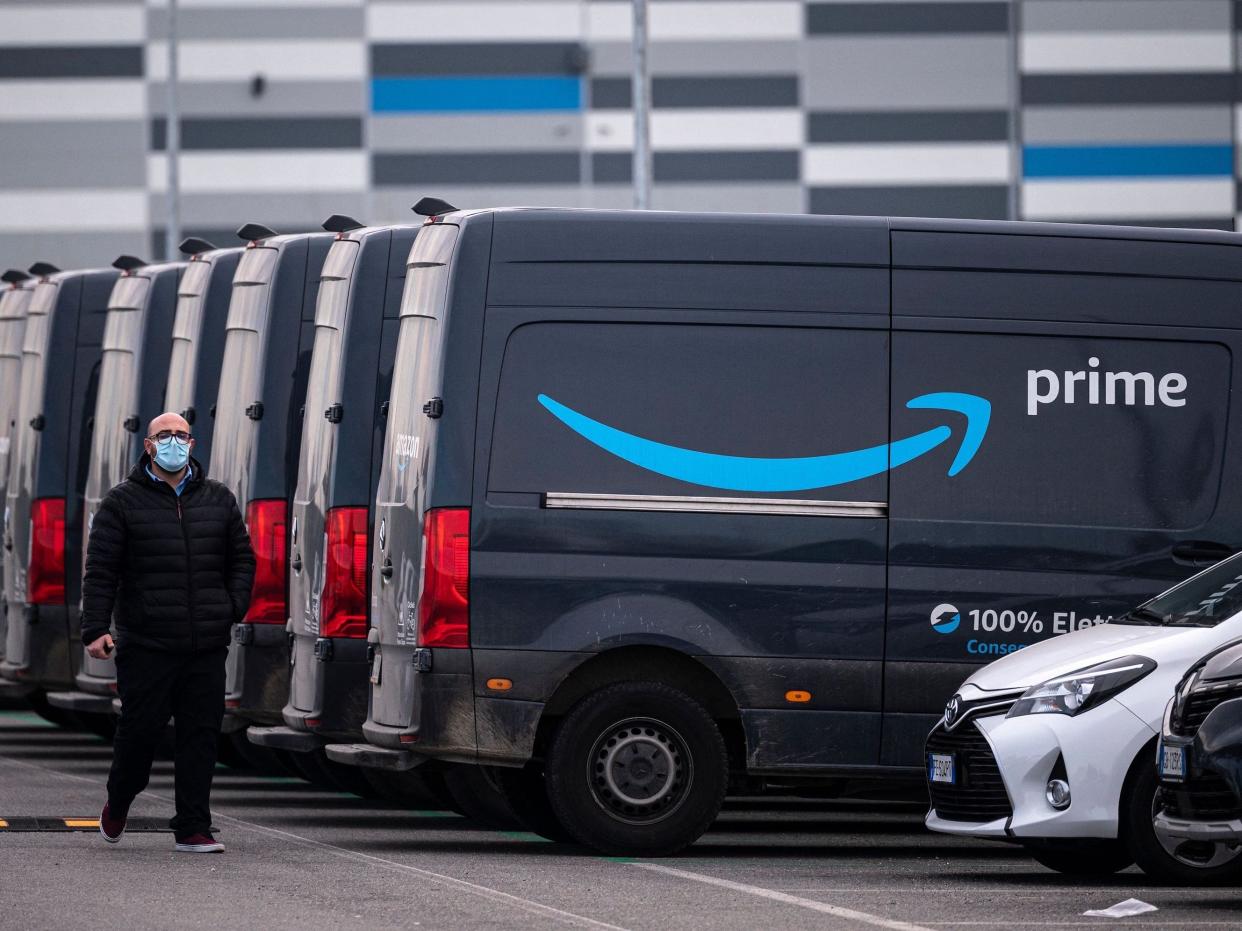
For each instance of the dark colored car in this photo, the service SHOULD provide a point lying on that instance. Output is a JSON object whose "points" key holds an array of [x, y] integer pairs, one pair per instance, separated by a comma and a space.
{"points": [[133, 375], [43, 534], [342, 441], [267, 350], [673, 502], [1200, 756]]}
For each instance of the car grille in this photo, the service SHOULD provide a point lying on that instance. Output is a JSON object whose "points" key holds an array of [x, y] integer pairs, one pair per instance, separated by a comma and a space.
{"points": [[1202, 701], [979, 793], [1206, 797]]}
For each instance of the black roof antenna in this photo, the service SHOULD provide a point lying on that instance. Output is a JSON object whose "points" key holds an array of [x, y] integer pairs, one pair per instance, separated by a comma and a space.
{"points": [[432, 207], [252, 231], [43, 269], [13, 276], [339, 223], [127, 263], [192, 245]]}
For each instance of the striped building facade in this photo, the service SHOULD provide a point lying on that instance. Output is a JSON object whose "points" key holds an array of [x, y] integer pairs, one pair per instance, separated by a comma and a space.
{"points": [[1090, 110]]}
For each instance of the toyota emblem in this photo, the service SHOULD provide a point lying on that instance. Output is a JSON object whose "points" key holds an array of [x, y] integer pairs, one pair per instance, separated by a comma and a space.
{"points": [[951, 710]]}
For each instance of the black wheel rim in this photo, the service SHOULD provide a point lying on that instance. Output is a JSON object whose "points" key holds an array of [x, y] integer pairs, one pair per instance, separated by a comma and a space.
{"points": [[640, 770]]}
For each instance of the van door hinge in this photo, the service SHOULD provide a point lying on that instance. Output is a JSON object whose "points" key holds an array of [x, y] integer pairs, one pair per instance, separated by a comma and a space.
{"points": [[131, 423], [190, 414], [255, 411], [434, 408], [323, 650], [335, 413], [38, 421], [384, 409], [421, 659]]}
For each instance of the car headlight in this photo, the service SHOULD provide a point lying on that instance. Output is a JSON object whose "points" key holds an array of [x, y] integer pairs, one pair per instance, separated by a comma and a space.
{"points": [[1076, 692]]}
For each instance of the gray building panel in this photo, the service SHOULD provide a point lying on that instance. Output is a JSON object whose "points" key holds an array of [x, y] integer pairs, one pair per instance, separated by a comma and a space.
{"points": [[473, 167], [909, 126], [289, 132], [87, 61], [907, 17], [1105, 15], [977, 202], [476, 58], [233, 22], [1140, 124], [701, 91], [907, 72], [1187, 88], [47, 154], [288, 98], [428, 132], [760, 56]]}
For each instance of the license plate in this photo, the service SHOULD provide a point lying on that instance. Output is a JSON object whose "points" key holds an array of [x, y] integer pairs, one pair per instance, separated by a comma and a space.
{"points": [[940, 768], [375, 668], [1173, 762]]}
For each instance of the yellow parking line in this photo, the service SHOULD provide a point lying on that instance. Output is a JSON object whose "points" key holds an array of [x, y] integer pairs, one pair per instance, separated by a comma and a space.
{"points": [[81, 822]]}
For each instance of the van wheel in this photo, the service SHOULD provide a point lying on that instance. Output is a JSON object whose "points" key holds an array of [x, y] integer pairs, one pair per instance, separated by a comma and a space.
{"points": [[637, 769], [1169, 859], [479, 798], [1081, 857], [61, 717], [526, 790]]}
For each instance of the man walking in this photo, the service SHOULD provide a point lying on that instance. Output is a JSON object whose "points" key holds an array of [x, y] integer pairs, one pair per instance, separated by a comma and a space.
{"points": [[169, 551]]}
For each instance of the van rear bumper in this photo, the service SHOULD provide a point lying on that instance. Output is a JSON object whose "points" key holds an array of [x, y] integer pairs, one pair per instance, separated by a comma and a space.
{"points": [[81, 701], [343, 689], [283, 738], [373, 757]]}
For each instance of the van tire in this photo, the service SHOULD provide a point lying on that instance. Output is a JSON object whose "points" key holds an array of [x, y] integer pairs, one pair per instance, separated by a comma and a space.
{"points": [[1081, 857], [1138, 802], [478, 797], [526, 790], [660, 734], [61, 717]]}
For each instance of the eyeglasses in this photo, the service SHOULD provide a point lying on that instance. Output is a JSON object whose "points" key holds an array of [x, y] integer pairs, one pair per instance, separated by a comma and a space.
{"points": [[163, 435]]}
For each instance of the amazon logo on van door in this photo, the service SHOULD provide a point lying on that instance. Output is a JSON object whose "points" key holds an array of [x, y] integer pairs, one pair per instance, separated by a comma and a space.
{"points": [[1044, 386], [746, 473]]}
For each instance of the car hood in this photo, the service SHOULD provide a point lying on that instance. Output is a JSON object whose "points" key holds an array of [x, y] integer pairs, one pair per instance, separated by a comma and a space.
{"points": [[1069, 652]]}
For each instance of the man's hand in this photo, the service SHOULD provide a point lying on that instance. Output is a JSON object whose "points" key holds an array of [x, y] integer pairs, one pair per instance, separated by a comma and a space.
{"points": [[101, 648]]}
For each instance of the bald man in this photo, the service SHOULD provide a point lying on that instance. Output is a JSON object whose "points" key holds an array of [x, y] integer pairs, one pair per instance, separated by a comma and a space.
{"points": [[169, 561]]}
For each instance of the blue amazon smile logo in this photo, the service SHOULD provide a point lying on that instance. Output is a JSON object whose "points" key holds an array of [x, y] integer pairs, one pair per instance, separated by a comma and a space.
{"points": [[746, 473]]}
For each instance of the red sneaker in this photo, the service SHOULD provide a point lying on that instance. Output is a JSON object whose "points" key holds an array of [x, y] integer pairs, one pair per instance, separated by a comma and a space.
{"points": [[199, 843], [111, 828]]}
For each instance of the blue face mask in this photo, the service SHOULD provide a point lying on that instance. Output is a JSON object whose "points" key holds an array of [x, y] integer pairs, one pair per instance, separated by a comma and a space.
{"points": [[171, 454]]}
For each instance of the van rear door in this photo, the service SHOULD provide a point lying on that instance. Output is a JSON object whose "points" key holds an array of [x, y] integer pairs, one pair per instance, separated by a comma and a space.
{"points": [[1101, 369], [13, 304]]}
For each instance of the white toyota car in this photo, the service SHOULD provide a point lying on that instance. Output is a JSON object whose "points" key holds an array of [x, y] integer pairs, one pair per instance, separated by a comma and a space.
{"points": [[1054, 746]]}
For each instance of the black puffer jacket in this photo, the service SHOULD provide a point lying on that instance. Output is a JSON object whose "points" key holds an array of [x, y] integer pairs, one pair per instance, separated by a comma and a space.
{"points": [[177, 571]]}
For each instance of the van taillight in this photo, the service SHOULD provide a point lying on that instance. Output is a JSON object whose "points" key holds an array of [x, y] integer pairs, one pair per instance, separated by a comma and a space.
{"points": [[45, 579], [344, 604], [266, 521], [444, 606]]}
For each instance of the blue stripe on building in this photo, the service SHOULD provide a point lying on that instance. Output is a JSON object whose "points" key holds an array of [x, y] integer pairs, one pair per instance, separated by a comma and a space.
{"points": [[1103, 161], [475, 93]]}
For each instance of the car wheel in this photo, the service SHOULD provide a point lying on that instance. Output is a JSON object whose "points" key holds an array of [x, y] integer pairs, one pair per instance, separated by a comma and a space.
{"points": [[637, 769], [1170, 859], [527, 793], [479, 798], [1081, 857]]}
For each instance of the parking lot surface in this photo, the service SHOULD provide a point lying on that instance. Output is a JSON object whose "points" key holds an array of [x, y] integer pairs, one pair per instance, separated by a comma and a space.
{"points": [[299, 857]]}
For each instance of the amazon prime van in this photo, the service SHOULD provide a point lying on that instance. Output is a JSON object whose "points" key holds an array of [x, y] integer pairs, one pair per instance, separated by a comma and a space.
{"points": [[355, 340], [133, 374], [47, 476], [16, 288], [267, 350], [194, 366], [673, 502]]}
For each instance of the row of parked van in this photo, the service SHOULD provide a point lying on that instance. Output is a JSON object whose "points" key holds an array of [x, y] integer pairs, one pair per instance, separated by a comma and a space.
{"points": [[584, 519]]}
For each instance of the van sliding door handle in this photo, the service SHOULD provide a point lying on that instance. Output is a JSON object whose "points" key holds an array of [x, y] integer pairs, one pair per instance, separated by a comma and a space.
{"points": [[1200, 552]]}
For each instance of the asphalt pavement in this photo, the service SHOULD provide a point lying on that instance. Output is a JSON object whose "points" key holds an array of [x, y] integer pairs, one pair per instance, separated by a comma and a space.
{"points": [[300, 857]]}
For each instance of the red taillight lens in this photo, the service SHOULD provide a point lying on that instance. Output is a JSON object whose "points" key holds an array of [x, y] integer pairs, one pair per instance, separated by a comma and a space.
{"points": [[344, 604], [267, 521], [444, 606], [45, 579]]}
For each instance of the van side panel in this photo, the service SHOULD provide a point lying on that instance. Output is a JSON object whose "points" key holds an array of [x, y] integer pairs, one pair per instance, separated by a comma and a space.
{"points": [[792, 365], [1047, 529]]}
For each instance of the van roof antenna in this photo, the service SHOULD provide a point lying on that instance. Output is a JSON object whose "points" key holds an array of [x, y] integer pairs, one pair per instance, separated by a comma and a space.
{"points": [[192, 245], [14, 276], [127, 263], [339, 223], [254, 231], [43, 269], [432, 207]]}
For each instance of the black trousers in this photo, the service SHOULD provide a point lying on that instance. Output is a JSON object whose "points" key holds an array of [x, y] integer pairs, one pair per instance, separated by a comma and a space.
{"points": [[155, 686]]}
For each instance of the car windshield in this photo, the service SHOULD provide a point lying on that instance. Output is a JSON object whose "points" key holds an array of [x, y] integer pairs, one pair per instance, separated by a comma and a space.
{"points": [[1204, 600]]}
